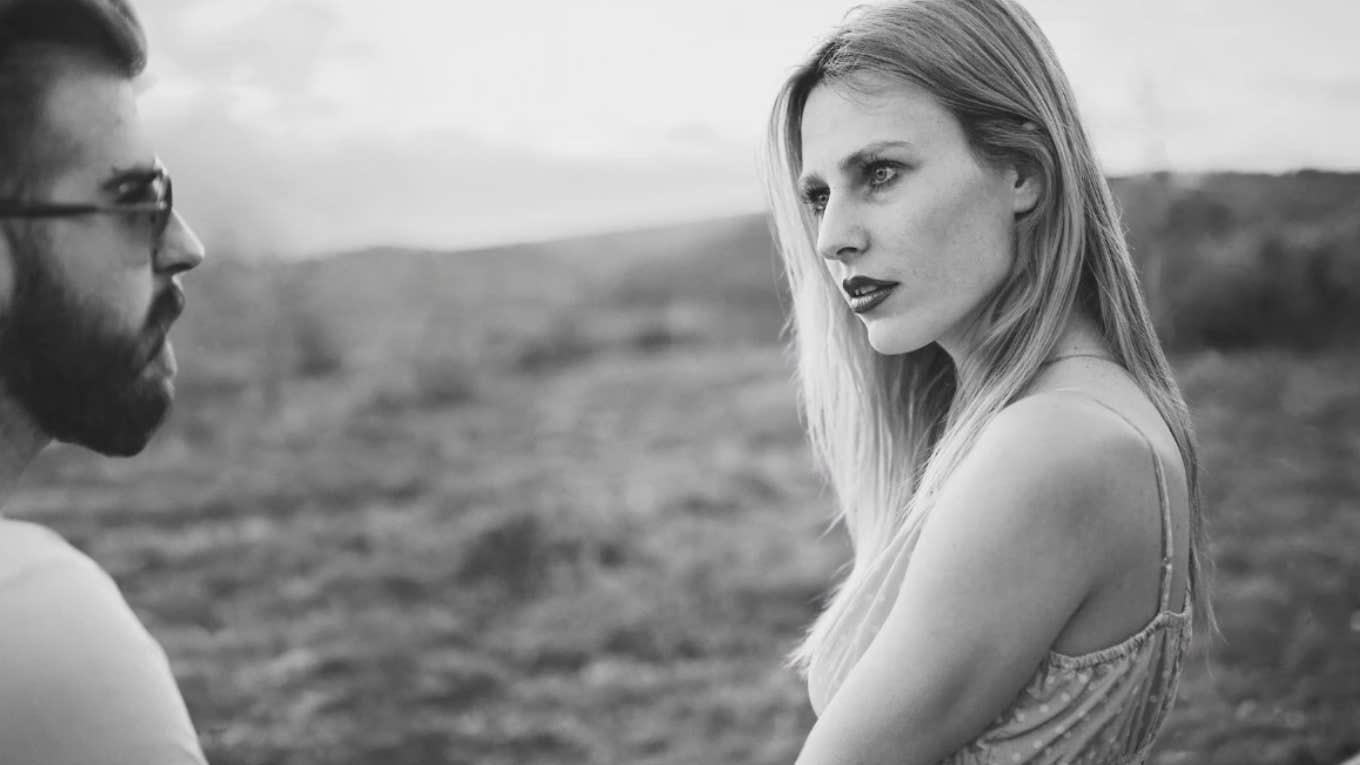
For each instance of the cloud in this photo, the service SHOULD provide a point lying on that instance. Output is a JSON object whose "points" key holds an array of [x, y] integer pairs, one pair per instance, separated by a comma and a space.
{"points": [[258, 192], [301, 125], [273, 50]]}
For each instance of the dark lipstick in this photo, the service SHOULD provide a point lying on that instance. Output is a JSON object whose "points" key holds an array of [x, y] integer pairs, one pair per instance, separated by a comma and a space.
{"points": [[865, 293]]}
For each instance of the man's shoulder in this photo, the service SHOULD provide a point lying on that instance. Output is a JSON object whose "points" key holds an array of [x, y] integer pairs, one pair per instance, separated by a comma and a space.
{"points": [[75, 659], [29, 552], [58, 608]]}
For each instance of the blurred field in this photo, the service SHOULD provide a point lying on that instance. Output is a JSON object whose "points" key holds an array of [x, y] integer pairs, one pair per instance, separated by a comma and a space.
{"points": [[551, 503]]}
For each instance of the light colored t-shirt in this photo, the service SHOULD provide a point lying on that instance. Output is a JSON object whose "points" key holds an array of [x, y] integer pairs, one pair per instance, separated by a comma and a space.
{"points": [[81, 680]]}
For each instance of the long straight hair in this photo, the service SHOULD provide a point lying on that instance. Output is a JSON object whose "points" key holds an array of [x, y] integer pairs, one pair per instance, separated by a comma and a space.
{"points": [[888, 430]]}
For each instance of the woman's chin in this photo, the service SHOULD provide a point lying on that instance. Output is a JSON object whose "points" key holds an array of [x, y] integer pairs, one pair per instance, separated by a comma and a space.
{"points": [[889, 340]]}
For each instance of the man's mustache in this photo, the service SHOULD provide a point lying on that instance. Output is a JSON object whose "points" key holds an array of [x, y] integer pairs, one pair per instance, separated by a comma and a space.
{"points": [[167, 307], [164, 311]]}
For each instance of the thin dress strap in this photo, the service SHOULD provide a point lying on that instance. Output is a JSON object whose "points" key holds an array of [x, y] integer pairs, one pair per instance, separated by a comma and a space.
{"points": [[1164, 586]]}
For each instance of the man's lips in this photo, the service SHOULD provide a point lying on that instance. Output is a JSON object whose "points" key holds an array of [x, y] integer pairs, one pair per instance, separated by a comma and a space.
{"points": [[172, 305], [167, 309]]}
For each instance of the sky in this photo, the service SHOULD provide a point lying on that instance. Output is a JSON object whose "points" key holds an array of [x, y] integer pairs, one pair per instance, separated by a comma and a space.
{"points": [[298, 127]]}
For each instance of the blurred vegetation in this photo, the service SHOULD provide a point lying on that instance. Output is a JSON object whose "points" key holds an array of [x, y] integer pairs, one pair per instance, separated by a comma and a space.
{"points": [[1248, 261], [551, 503]]}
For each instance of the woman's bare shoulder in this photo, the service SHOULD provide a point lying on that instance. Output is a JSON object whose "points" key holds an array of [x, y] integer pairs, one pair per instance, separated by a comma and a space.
{"points": [[1060, 434], [1058, 462]]}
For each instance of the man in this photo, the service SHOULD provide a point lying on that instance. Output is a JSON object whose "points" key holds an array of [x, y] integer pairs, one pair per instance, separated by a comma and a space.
{"points": [[90, 257]]}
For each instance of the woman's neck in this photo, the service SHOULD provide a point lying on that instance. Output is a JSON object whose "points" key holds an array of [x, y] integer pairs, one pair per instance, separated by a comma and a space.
{"points": [[1081, 336]]}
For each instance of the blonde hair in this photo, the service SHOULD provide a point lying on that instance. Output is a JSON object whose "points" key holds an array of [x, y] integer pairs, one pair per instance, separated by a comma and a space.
{"points": [[888, 430]]}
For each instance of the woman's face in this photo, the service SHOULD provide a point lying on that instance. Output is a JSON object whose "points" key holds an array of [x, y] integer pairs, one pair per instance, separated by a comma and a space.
{"points": [[914, 230]]}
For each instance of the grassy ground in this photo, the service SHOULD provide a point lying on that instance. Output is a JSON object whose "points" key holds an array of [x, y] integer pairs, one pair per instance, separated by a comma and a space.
{"points": [[553, 505]]}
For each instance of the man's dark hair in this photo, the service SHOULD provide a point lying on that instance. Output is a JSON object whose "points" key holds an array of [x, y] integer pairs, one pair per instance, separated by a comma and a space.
{"points": [[105, 30]]}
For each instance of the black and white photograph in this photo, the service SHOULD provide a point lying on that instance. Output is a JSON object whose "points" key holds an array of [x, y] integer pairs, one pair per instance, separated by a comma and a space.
{"points": [[815, 382]]}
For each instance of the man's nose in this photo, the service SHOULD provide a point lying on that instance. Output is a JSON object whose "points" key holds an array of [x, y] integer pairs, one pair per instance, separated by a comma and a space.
{"points": [[180, 248]]}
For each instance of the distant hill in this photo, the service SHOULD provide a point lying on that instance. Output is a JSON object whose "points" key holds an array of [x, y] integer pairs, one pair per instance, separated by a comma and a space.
{"points": [[1229, 260]]}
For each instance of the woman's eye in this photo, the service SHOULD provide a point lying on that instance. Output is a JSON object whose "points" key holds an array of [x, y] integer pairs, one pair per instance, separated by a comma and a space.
{"points": [[881, 174], [816, 200]]}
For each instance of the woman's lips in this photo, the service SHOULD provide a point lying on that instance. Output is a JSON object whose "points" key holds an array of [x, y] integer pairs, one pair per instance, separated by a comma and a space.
{"points": [[865, 293]]}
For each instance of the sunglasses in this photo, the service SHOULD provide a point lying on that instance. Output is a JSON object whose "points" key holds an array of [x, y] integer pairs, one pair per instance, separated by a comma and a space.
{"points": [[159, 207]]}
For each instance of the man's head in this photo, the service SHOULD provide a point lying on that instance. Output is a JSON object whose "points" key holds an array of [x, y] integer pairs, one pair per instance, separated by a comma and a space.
{"points": [[88, 291]]}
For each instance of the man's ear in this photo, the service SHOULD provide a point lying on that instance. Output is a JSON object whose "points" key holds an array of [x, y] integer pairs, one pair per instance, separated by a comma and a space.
{"points": [[1027, 188]]}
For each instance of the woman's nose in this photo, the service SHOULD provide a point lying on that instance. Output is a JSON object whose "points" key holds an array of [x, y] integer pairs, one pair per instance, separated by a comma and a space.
{"points": [[840, 233]]}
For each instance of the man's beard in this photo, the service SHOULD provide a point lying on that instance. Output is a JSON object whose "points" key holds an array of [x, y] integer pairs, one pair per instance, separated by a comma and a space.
{"points": [[78, 379]]}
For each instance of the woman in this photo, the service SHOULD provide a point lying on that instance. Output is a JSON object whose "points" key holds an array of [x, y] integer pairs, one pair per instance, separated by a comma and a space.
{"points": [[1012, 459]]}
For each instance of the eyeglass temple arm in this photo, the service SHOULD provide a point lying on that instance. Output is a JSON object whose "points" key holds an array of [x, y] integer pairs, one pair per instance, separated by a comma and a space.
{"points": [[11, 209]]}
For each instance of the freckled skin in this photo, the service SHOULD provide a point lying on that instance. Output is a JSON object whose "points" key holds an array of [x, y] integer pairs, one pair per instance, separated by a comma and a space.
{"points": [[943, 225]]}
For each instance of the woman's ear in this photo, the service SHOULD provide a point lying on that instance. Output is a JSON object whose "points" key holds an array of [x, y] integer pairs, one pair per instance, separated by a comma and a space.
{"points": [[1027, 188]]}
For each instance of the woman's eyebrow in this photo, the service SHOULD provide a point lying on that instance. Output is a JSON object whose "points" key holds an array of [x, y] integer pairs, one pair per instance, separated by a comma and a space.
{"points": [[853, 160], [868, 151]]}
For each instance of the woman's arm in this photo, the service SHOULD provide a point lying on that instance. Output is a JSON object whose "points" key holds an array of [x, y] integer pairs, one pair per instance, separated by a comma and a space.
{"points": [[1018, 539]]}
